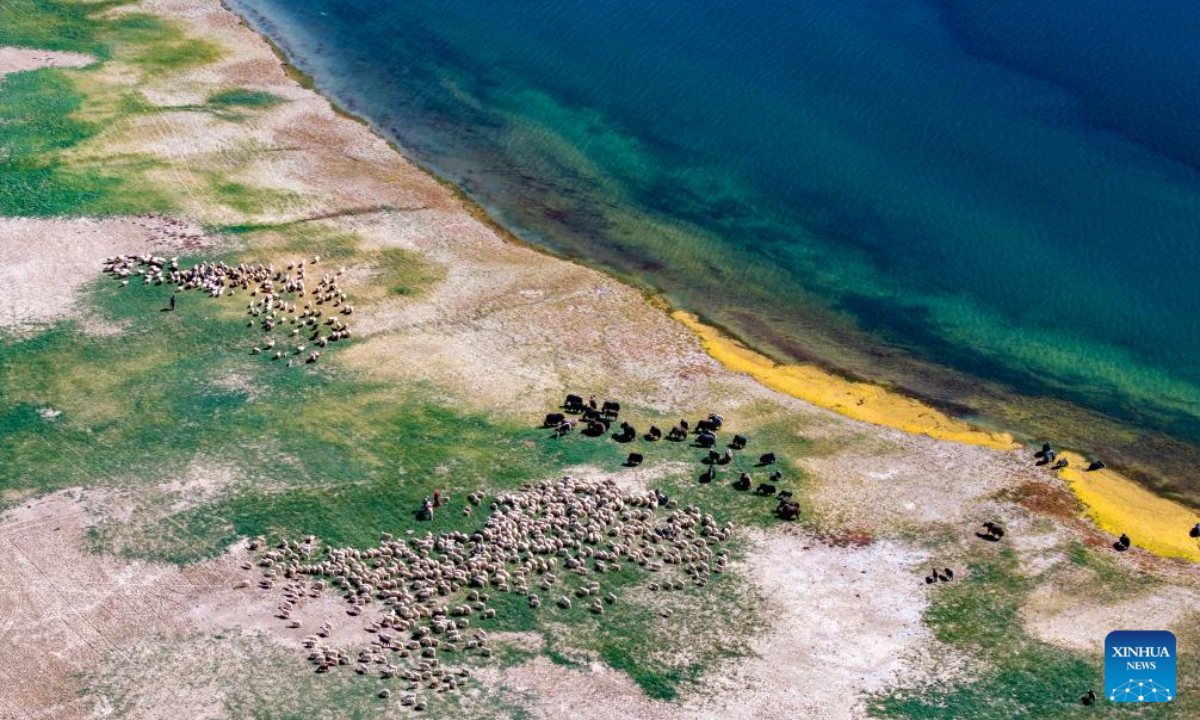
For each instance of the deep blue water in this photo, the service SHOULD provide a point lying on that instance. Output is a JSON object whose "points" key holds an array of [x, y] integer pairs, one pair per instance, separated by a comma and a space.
{"points": [[981, 201]]}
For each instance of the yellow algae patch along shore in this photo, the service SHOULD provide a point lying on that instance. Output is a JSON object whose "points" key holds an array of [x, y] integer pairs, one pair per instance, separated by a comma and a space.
{"points": [[1119, 505], [858, 400], [1115, 503]]}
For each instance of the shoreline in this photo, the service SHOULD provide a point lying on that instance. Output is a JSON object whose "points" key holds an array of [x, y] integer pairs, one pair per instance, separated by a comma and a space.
{"points": [[1112, 501]]}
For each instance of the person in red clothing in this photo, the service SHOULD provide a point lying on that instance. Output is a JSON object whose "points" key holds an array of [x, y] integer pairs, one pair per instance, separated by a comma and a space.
{"points": [[437, 499]]}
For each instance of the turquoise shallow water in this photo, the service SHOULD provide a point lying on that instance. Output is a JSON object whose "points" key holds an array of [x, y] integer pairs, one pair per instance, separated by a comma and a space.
{"points": [[992, 205]]}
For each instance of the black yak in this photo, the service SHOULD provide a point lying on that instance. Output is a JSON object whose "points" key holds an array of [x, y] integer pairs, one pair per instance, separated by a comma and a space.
{"points": [[788, 510]]}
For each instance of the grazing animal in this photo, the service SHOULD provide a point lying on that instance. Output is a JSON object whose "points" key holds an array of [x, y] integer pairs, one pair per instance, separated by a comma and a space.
{"points": [[684, 424], [564, 428], [929, 580], [1122, 544], [628, 433], [726, 458], [739, 442], [706, 440], [716, 420], [948, 573], [743, 482], [1195, 531], [591, 414], [767, 459], [634, 459], [992, 532], [677, 433], [788, 510], [595, 428], [709, 475], [713, 457], [765, 489], [654, 433], [777, 476], [785, 494], [553, 419], [1096, 465], [611, 408], [1044, 451], [706, 426], [1088, 698], [1062, 463], [573, 403]]}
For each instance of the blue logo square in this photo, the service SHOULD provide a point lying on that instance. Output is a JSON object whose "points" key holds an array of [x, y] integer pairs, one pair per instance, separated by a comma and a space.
{"points": [[1139, 666]]}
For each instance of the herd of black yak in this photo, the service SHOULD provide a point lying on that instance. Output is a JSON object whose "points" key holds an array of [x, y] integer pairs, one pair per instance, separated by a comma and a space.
{"points": [[595, 419]]}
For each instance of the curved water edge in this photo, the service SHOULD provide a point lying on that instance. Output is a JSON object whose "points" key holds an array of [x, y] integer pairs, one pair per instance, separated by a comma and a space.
{"points": [[832, 338], [1114, 502]]}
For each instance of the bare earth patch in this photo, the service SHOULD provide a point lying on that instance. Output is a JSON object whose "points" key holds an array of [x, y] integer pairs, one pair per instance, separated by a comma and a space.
{"points": [[15, 59], [839, 621], [1080, 624], [895, 480], [64, 612], [45, 262]]}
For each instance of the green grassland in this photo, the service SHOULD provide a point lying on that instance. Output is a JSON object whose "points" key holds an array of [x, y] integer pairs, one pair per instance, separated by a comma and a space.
{"points": [[48, 115], [319, 450]]}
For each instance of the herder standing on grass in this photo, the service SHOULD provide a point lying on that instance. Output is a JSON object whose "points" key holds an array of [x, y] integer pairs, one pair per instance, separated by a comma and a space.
{"points": [[172, 303]]}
